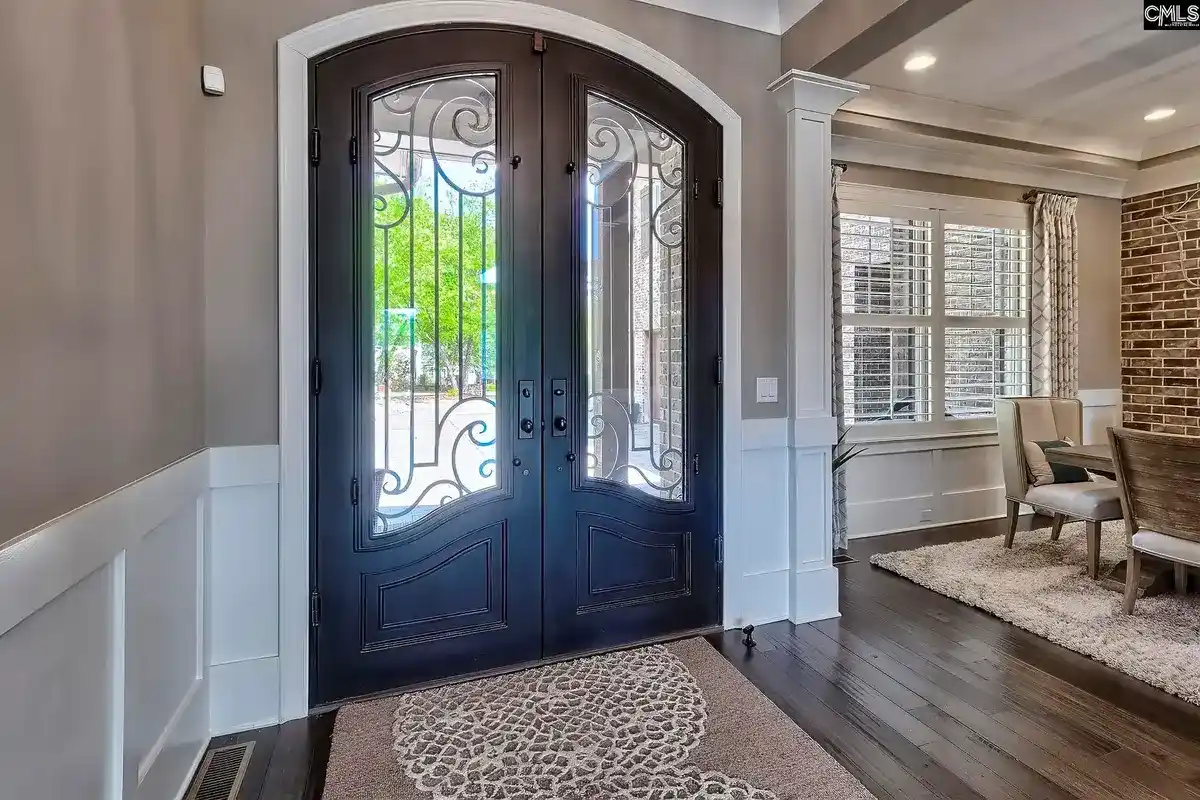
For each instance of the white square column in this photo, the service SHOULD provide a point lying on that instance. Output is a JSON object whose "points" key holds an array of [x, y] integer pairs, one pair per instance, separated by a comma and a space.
{"points": [[809, 101]]}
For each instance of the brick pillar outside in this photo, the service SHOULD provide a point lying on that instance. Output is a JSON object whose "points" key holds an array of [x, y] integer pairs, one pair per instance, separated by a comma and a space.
{"points": [[670, 358]]}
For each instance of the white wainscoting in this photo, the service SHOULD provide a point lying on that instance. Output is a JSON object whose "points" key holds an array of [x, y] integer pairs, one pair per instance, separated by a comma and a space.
{"points": [[244, 588], [757, 587], [920, 482], [1101, 410], [924, 481], [782, 567], [103, 674]]}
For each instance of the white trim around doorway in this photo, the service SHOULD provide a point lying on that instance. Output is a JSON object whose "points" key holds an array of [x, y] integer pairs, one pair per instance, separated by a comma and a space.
{"points": [[294, 53]]}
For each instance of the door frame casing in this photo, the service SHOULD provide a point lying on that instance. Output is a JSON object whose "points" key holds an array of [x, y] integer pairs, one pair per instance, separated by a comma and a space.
{"points": [[294, 54]]}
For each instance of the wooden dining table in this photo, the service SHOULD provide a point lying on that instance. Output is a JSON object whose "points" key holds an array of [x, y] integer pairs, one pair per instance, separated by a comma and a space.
{"points": [[1157, 576]]}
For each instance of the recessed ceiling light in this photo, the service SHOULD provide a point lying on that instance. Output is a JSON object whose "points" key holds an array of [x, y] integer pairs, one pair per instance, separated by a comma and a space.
{"points": [[920, 61], [1159, 113]]}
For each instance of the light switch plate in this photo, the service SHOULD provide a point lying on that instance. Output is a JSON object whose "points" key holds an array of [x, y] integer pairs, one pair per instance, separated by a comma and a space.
{"points": [[768, 390]]}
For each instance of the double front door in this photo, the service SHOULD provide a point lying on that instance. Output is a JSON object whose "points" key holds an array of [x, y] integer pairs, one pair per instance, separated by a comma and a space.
{"points": [[516, 283]]}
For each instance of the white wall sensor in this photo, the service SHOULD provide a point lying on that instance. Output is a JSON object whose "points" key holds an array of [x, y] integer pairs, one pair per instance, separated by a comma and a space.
{"points": [[213, 81]]}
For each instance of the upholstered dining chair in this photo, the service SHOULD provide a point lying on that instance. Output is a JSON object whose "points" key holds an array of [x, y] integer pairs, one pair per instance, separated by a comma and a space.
{"points": [[1022, 420], [1159, 478]]}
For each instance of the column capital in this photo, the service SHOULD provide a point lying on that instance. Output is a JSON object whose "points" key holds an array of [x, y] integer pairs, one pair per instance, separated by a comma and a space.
{"points": [[807, 91]]}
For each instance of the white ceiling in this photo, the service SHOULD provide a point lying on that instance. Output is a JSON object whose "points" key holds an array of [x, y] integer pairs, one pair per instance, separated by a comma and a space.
{"points": [[771, 16], [1072, 73]]}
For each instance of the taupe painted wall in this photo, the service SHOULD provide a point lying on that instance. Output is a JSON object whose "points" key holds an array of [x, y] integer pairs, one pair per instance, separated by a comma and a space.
{"points": [[240, 204], [101, 238], [1099, 261]]}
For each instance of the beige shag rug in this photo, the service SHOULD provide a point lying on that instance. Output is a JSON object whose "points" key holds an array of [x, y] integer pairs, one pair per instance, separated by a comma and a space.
{"points": [[1043, 587], [658, 723]]}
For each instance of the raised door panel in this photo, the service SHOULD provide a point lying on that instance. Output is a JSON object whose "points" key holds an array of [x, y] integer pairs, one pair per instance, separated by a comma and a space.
{"points": [[623, 564], [458, 589]]}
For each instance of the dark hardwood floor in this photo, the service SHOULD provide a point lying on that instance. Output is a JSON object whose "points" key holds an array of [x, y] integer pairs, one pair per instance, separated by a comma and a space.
{"points": [[288, 762], [920, 697]]}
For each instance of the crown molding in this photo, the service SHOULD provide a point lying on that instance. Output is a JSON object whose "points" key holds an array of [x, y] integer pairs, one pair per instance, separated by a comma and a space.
{"points": [[768, 16], [759, 15]]}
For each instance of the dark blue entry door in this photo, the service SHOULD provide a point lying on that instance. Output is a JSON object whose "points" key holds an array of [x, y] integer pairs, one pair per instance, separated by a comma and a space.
{"points": [[516, 321]]}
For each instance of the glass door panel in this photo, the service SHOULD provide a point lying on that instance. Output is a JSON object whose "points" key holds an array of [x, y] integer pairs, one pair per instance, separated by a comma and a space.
{"points": [[634, 309], [435, 278]]}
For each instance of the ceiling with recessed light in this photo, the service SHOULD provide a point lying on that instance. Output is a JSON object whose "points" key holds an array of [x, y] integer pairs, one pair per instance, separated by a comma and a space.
{"points": [[1081, 74], [1069, 94]]}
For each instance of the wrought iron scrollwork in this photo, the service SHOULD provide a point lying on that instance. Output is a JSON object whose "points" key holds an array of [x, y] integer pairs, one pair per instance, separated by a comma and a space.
{"points": [[619, 464], [433, 202], [634, 193]]}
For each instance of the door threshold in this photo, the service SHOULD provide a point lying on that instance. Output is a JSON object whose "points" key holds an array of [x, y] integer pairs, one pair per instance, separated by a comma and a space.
{"points": [[519, 667]]}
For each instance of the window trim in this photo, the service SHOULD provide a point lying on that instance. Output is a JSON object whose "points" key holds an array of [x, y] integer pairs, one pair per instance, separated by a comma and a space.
{"points": [[939, 210]]}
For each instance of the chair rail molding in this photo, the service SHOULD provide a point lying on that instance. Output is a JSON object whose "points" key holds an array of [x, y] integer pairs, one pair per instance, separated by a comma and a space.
{"points": [[809, 101], [1101, 410], [294, 54]]}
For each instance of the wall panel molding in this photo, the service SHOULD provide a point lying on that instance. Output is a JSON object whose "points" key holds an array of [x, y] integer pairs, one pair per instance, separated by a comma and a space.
{"points": [[102, 614]]}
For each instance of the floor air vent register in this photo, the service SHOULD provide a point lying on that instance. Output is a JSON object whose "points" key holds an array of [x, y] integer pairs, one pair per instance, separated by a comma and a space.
{"points": [[221, 773]]}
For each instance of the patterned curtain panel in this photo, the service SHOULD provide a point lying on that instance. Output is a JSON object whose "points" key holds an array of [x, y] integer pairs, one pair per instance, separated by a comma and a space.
{"points": [[1055, 296], [839, 478]]}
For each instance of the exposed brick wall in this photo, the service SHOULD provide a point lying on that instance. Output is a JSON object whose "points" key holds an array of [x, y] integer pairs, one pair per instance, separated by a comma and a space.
{"points": [[1160, 314]]}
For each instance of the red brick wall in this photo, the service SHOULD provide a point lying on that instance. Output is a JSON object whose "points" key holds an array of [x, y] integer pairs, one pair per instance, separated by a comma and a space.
{"points": [[1160, 314]]}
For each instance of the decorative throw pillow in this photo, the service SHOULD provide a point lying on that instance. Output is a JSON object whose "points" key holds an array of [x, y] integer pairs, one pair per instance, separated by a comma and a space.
{"points": [[1042, 472]]}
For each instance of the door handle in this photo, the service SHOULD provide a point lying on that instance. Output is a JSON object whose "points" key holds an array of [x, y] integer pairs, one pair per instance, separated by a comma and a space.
{"points": [[525, 427], [558, 407]]}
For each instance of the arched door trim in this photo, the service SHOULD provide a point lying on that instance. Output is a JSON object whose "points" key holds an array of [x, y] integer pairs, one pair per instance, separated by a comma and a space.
{"points": [[294, 54]]}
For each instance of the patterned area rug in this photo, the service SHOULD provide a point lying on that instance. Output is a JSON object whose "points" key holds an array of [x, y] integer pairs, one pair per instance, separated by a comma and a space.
{"points": [[1043, 587], [659, 723]]}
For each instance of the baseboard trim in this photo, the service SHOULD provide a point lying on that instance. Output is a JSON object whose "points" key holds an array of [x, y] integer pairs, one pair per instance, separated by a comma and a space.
{"points": [[147, 763], [244, 695], [929, 525], [815, 595], [762, 597]]}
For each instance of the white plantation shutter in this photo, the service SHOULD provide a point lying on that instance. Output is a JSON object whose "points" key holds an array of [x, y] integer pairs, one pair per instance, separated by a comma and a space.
{"points": [[887, 290], [936, 307], [885, 372]]}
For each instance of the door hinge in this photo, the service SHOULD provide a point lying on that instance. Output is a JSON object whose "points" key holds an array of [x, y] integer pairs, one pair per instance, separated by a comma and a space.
{"points": [[719, 548], [719, 370], [314, 608], [354, 491], [353, 149], [696, 464], [695, 188], [314, 146], [719, 193], [539, 43], [316, 376]]}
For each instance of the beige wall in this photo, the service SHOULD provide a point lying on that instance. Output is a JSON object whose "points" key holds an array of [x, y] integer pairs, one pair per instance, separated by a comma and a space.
{"points": [[101, 237], [240, 206], [1099, 261]]}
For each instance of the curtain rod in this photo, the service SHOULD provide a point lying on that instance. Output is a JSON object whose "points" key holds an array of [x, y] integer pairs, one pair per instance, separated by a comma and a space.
{"points": [[1032, 195]]}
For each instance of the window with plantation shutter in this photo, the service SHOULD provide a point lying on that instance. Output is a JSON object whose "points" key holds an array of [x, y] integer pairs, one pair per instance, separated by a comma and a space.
{"points": [[935, 307]]}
